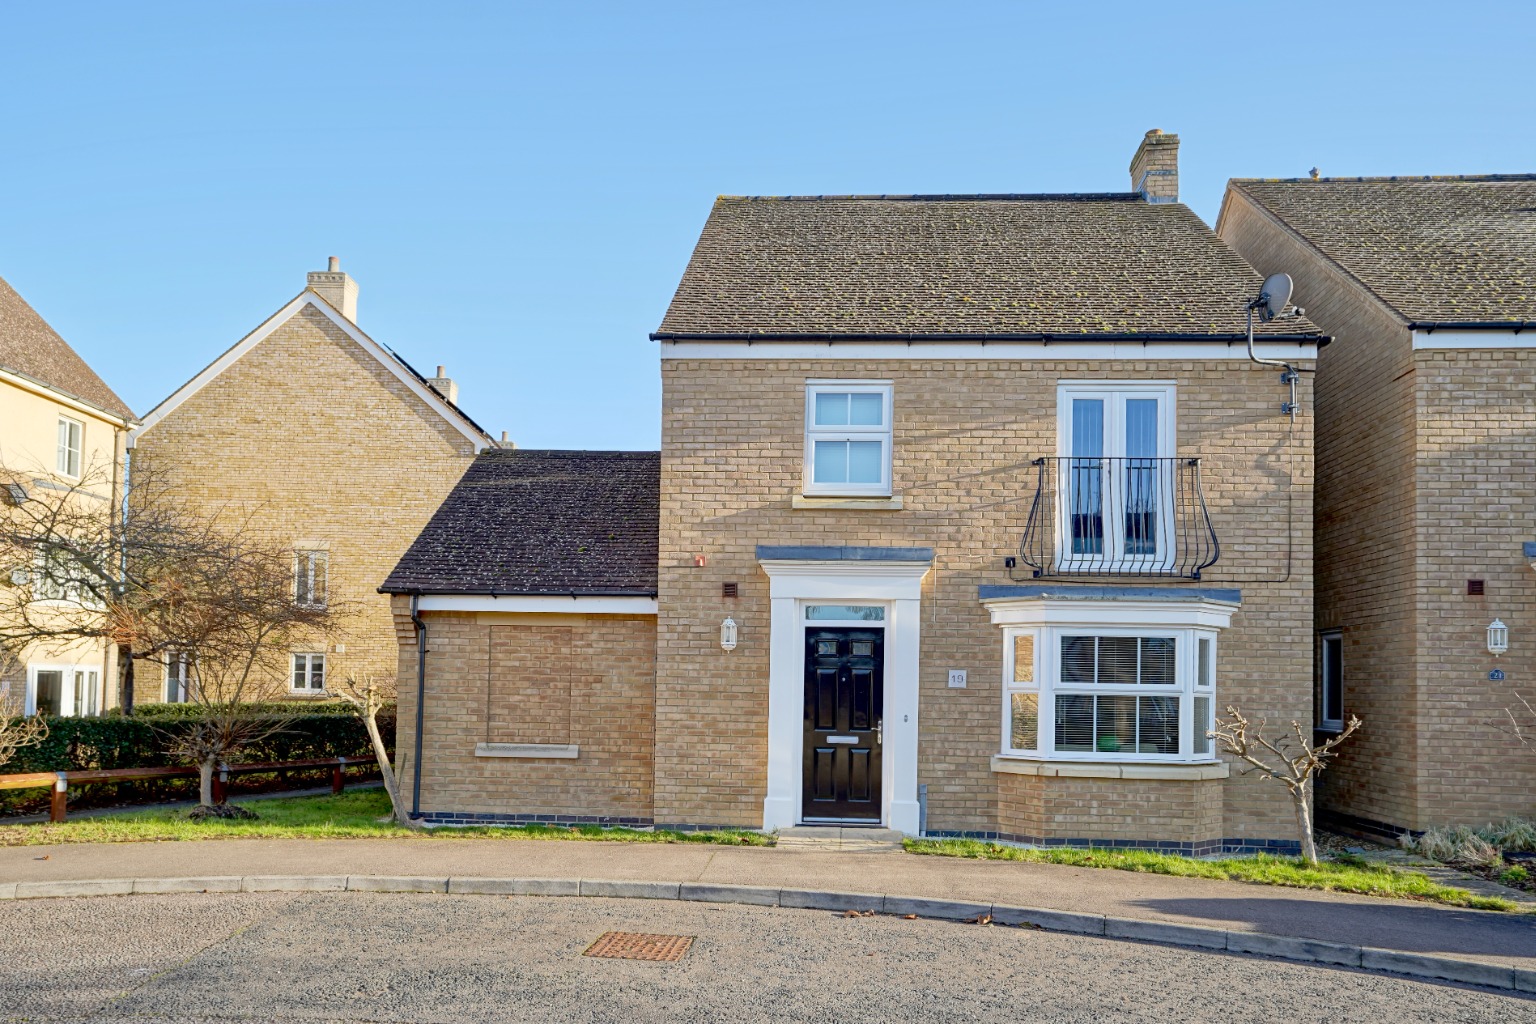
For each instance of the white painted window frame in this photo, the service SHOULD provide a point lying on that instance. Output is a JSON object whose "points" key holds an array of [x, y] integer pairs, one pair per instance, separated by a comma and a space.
{"points": [[1114, 395], [305, 561], [814, 433], [71, 449], [1324, 639], [1047, 684], [177, 665], [69, 688], [1048, 618], [309, 672]]}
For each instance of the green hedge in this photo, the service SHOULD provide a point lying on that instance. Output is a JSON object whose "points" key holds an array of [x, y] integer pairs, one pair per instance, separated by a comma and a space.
{"points": [[115, 741]]}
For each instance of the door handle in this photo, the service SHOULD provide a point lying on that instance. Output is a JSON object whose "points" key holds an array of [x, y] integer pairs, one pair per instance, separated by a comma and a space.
{"points": [[880, 731]]}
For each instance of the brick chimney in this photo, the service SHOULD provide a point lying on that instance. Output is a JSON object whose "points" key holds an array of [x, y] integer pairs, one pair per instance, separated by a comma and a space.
{"points": [[336, 287], [444, 385], [1155, 168]]}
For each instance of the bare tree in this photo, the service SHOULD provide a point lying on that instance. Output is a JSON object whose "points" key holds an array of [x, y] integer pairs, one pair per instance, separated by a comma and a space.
{"points": [[368, 696], [1522, 718], [16, 730], [1293, 764], [148, 573]]}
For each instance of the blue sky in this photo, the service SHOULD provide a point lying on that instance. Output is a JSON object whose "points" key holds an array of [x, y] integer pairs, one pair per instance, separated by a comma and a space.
{"points": [[517, 188]]}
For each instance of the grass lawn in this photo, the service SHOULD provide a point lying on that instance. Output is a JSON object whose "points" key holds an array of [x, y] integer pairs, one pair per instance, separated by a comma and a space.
{"points": [[1353, 875], [352, 815]]}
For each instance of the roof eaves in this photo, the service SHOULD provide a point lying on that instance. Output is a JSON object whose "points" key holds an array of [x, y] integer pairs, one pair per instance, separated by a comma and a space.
{"points": [[124, 415], [1146, 337], [948, 197]]}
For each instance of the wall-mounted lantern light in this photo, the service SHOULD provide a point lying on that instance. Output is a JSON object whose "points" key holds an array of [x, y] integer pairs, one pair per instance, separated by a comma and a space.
{"points": [[728, 634], [1498, 638]]}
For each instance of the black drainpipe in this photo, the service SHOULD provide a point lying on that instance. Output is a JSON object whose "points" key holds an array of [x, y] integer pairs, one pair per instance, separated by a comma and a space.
{"points": [[421, 696]]}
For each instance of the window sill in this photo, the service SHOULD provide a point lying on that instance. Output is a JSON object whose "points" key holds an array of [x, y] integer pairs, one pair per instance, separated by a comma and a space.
{"points": [[308, 694], [562, 750], [1007, 765], [813, 501]]}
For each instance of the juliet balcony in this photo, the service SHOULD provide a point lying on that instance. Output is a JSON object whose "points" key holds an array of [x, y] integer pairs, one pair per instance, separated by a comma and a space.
{"points": [[1126, 517]]}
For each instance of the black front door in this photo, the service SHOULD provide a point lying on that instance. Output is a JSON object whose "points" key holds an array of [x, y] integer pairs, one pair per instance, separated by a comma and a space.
{"points": [[844, 694]]}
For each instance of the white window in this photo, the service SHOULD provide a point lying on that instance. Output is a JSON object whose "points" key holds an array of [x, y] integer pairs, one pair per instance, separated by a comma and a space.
{"points": [[71, 438], [848, 438], [1330, 683], [1102, 694], [1117, 477], [310, 569], [178, 678], [308, 673], [58, 576], [87, 692]]}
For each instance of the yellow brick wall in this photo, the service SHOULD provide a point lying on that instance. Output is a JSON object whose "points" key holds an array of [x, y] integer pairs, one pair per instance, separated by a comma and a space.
{"points": [[592, 679], [1106, 809], [965, 433], [1365, 529], [1476, 506], [310, 440]]}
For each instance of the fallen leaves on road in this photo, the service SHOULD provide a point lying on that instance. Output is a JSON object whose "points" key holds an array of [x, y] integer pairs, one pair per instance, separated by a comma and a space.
{"points": [[858, 913]]}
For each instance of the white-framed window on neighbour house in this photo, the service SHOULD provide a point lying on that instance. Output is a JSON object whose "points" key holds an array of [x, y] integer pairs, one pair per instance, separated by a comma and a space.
{"points": [[57, 575], [848, 438], [178, 677], [71, 444], [1330, 680], [1103, 694], [1117, 476], [311, 571], [308, 673]]}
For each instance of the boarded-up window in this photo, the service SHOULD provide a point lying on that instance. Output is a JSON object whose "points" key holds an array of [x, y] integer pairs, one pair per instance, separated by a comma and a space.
{"points": [[528, 692]]}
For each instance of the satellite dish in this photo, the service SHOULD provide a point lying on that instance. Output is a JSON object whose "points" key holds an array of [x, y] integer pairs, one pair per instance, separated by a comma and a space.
{"points": [[1274, 296]]}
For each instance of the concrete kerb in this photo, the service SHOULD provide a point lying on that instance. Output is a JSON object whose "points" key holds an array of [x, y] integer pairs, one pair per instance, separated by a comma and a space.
{"points": [[1282, 947]]}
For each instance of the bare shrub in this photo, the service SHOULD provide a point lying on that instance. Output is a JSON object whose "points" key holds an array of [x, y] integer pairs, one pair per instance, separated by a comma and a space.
{"points": [[1458, 845]]}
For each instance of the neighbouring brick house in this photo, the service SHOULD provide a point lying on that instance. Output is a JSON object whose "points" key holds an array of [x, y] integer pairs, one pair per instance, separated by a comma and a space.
{"points": [[61, 428], [971, 512], [326, 441], [1426, 497]]}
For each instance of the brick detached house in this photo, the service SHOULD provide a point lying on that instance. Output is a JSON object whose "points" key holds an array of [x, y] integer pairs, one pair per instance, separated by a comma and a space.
{"points": [[971, 513], [1426, 450], [61, 427], [326, 440]]}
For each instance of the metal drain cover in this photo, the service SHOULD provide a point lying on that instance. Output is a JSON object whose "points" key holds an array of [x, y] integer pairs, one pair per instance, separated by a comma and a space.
{"points": [[639, 946]]}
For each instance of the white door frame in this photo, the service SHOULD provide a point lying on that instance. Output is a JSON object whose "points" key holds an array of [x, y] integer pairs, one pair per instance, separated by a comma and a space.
{"points": [[794, 583], [66, 687]]}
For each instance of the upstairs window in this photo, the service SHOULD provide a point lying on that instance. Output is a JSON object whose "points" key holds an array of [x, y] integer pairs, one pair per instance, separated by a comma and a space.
{"points": [[71, 440], [308, 673], [848, 439], [310, 572], [1330, 683], [1118, 477]]}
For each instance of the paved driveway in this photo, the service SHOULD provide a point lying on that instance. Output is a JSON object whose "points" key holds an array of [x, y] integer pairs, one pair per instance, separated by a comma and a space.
{"points": [[399, 957]]}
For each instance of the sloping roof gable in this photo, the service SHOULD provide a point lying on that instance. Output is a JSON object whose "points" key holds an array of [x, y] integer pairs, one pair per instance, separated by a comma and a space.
{"points": [[386, 357], [31, 348], [1446, 249], [972, 265], [541, 522]]}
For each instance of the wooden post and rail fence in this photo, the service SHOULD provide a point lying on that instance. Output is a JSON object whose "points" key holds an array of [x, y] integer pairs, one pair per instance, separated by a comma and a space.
{"points": [[60, 781]]}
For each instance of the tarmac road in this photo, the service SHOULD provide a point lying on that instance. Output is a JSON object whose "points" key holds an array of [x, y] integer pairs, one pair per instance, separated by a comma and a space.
{"points": [[357, 956]]}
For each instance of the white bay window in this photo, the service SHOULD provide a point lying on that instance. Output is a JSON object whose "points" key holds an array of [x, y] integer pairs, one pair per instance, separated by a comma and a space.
{"points": [[1085, 681]]}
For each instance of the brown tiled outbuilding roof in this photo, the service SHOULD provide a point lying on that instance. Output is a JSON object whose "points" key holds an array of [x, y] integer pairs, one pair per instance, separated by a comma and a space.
{"points": [[1440, 249], [984, 265], [31, 348], [541, 522]]}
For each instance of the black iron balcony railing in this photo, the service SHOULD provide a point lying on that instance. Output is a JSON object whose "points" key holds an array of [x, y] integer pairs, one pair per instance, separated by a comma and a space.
{"points": [[1118, 517]]}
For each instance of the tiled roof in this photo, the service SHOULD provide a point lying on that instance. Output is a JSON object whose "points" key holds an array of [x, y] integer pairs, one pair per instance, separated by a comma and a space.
{"points": [[962, 265], [541, 522], [1448, 249], [28, 346]]}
